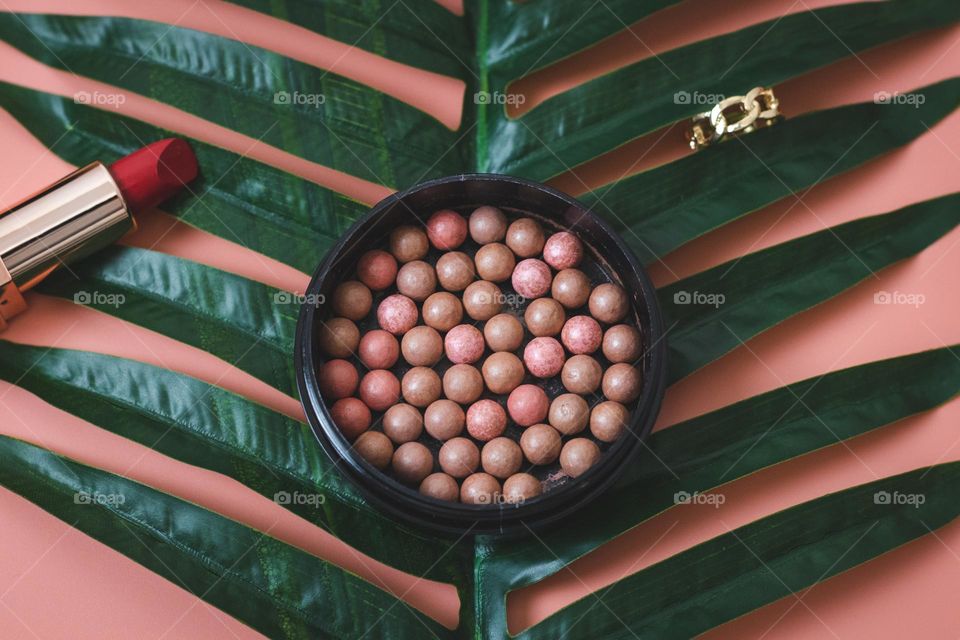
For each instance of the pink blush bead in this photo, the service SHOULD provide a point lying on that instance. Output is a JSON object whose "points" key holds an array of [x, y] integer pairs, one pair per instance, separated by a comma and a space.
{"points": [[486, 420], [397, 314], [528, 405], [544, 357], [377, 269], [563, 250], [446, 230], [531, 278], [379, 389], [463, 344], [581, 334], [378, 349]]}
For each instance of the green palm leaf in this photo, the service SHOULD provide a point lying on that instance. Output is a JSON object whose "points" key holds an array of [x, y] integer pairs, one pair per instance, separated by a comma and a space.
{"points": [[778, 556], [204, 425], [245, 201], [602, 114], [339, 123], [275, 588], [420, 33], [663, 208], [706, 452], [243, 322], [767, 287]]}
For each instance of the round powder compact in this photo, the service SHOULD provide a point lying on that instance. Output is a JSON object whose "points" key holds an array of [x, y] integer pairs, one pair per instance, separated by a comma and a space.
{"points": [[492, 356]]}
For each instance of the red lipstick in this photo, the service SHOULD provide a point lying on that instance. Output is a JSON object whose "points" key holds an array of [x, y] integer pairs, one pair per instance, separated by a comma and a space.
{"points": [[84, 212]]}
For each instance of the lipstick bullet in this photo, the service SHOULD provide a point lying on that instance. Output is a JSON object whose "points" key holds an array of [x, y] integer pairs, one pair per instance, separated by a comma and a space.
{"points": [[84, 212]]}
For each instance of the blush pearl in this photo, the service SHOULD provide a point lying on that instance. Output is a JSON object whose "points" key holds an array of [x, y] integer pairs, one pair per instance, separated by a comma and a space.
{"points": [[528, 404], [440, 486], [420, 386], [622, 343], [503, 332], [482, 300], [352, 300], [463, 344], [337, 379], [412, 462], [578, 455], [520, 487], [375, 448], [455, 271], [581, 374], [608, 420], [339, 337], [442, 311], [495, 262], [378, 349], [462, 383], [416, 280], [531, 278], [459, 457], [571, 288], [397, 314], [621, 383], [446, 229], [563, 250], [501, 457], [480, 488], [486, 420], [377, 269], [541, 444], [569, 414], [525, 237], [351, 416], [609, 303], [402, 423], [444, 419], [544, 357], [545, 317], [379, 389], [422, 346], [502, 372], [581, 334], [487, 224], [408, 243]]}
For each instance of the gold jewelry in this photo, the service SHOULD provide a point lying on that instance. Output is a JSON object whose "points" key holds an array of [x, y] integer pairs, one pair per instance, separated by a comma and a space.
{"points": [[734, 116]]}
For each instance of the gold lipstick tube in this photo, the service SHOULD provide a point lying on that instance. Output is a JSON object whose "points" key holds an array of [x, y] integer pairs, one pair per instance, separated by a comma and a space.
{"points": [[80, 214]]}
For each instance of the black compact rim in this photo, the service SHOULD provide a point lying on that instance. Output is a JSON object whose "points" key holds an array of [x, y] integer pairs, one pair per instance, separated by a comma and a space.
{"points": [[457, 518]]}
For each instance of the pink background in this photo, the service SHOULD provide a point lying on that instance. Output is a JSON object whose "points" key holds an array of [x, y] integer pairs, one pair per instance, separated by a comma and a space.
{"points": [[55, 582]]}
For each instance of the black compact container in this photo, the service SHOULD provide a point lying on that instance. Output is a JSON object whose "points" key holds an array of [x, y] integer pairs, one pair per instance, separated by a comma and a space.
{"points": [[610, 260]]}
